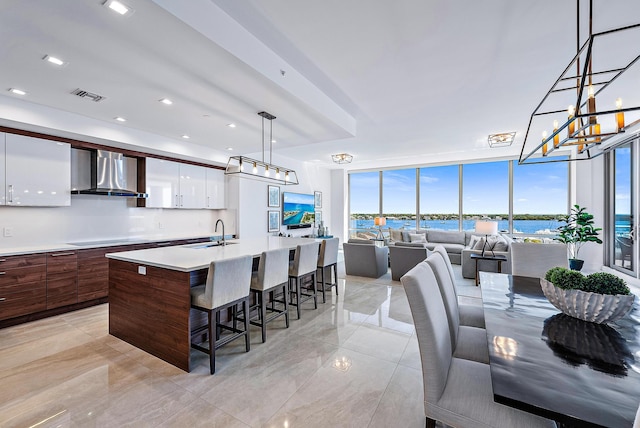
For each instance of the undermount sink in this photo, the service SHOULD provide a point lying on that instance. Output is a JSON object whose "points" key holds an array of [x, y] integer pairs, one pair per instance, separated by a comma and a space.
{"points": [[211, 244]]}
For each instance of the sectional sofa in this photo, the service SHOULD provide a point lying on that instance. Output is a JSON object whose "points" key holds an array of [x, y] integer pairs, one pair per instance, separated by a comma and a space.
{"points": [[459, 246]]}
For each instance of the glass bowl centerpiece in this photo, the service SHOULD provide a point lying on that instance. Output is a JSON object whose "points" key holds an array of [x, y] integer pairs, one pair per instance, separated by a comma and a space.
{"points": [[600, 297]]}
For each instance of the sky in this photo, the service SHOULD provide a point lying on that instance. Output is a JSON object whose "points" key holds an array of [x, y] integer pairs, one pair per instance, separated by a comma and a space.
{"points": [[538, 189]]}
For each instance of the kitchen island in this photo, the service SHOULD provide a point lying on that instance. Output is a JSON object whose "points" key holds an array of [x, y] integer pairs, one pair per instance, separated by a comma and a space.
{"points": [[149, 291]]}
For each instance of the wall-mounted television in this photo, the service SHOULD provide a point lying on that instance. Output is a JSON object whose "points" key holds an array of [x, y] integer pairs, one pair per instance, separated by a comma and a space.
{"points": [[297, 209]]}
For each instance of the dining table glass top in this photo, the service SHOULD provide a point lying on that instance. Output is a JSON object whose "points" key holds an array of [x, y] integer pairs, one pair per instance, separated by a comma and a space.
{"points": [[542, 361]]}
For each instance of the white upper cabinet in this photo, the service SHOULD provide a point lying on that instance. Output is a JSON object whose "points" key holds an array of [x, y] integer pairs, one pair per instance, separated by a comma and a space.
{"points": [[215, 188], [175, 185], [3, 184], [192, 186], [163, 183], [37, 172]]}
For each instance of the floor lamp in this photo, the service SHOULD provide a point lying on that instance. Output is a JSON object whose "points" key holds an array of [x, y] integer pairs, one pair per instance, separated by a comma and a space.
{"points": [[380, 221], [487, 228]]}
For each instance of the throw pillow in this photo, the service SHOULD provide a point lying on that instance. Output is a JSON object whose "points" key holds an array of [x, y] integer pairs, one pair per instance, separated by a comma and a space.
{"points": [[417, 237], [474, 240], [500, 244], [395, 235], [479, 244]]}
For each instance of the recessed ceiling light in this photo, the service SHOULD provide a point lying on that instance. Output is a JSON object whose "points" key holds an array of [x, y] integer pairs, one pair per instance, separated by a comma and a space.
{"points": [[118, 7], [166, 101], [273, 141], [186, 137], [120, 119], [17, 91], [54, 60], [229, 148], [231, 125]]}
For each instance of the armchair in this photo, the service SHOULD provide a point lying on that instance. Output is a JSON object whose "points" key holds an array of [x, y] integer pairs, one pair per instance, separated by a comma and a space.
{"points": [[365, 259]]}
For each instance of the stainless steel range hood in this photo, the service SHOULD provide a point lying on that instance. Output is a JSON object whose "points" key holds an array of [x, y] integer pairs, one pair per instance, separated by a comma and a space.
{"points": [[108, 176]]}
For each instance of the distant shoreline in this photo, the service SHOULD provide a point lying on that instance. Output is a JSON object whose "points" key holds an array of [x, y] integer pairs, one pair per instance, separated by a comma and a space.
{"points": [[367, 216]]}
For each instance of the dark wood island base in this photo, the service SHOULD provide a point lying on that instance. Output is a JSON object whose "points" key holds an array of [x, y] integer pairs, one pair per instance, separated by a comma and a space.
{"points": [[151, 310]]}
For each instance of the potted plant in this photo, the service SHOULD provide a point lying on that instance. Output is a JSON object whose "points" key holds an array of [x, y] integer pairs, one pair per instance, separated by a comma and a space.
{"points": [[578, 230], [600, 297]]}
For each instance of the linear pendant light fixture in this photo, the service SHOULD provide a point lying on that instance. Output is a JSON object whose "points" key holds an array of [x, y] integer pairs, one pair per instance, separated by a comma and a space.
{"points": [[581, 130], [261, 169]]}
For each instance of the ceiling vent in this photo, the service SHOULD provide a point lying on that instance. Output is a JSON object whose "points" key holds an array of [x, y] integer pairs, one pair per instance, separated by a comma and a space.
{"points": [[85, 94]]}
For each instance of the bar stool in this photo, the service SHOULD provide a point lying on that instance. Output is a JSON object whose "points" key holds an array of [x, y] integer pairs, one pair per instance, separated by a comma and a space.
{"points": [[304, 264], [272, 275], [328, 258], [227, 285]]}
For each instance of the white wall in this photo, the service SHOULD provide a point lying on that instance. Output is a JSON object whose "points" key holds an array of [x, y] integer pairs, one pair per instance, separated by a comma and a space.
{"points": [[339, 203], [92, 218], [589, 193], [252, 198]]}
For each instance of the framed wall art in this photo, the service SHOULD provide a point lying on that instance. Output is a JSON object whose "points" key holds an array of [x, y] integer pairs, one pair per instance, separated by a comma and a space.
{"points": [[274, 221], [273, 196]]}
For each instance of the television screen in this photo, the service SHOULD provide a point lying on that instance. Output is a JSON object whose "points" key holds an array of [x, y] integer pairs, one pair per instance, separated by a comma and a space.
{"points": [[297, 208]]}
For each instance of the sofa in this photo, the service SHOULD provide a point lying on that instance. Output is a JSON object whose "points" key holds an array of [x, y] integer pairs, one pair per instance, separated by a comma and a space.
{"points": [[459, 247], [363, 258]]}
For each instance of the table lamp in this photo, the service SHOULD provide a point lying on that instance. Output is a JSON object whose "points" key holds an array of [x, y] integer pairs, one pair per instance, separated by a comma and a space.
{"points": [[487, 228], [380, 221]]}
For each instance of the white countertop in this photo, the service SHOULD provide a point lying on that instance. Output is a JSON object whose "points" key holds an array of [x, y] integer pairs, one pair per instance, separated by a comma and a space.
{"points": [[187, 258], [80, 245]]}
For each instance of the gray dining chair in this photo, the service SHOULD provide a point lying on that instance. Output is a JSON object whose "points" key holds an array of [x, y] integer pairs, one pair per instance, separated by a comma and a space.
{"points": [[457, 392], [470, 314], [227, 286], [468, 342], [272, 276], [303, 265], [534, 260], [328, 258]]}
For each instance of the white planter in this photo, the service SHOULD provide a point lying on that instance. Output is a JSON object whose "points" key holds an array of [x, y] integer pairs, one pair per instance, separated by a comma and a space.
{"points": [[592, 307]]}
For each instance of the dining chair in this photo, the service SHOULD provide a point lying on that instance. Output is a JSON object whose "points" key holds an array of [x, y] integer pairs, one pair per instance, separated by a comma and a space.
{"points": [[470, 314], [303, 265], [468, 342], [272, 276], [227, 285], [328, 258], [457, 392], [534, 260]]}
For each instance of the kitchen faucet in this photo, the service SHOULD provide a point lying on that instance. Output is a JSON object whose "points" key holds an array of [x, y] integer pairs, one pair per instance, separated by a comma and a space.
{"points": [[216, 229]]}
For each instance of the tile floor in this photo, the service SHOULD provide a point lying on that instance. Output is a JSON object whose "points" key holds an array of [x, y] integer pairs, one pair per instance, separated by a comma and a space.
{"points": [[353, 362]]}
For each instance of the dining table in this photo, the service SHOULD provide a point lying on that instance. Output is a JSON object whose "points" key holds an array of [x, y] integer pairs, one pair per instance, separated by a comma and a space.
{"points": [[578, 373]]}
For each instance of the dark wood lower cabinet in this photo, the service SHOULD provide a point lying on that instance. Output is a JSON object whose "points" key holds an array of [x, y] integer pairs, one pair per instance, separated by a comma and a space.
{"points": [[62, 279], [22, 285], [39, 285]]}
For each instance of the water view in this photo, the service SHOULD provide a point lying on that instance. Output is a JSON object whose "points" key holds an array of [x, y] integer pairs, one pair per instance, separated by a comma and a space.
{"points": [[528, 227]]}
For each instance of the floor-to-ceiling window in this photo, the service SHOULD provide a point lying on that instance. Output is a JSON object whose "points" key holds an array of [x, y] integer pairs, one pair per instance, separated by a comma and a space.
{"points": [[485, 194], [540, 196], [623, 209], [534, 196], [364, 202], [439, 197], [399, 198]]}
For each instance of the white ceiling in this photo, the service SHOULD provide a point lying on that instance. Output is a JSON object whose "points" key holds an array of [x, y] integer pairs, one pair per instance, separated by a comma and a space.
{"points": [[393, 83]]}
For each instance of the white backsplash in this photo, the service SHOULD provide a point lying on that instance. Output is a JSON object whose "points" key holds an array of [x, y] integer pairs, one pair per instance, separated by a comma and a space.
{"points": [[102, 217]]}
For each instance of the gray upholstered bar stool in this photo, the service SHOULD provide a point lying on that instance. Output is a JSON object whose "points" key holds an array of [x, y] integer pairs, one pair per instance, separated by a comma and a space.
{"points": [[303, 265], [272, 275], [328, 258], [227, 285]]}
